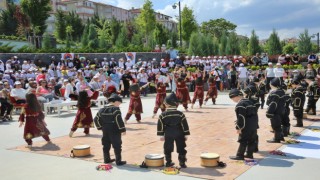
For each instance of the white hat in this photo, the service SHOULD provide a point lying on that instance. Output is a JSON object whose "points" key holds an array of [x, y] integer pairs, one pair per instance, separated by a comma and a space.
{"points": [[52, 78], [224, 56], [178, 57], [43, 69], [15, 57], [187, 56], [220, 57], [141, 69], [288, 55], [240, 56], [153, 59], [104, 58], [65, 80], [1, 82], [278, 64], [270, 63], [17, 82], [209, 57], [241, 64]]}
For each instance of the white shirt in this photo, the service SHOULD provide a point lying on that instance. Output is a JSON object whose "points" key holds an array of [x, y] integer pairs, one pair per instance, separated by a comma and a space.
{"points": [[25, 67], [121, 65], [162, 79], [111, 83], [217, 73], [171, 64], [270, 72], [242, 72], [142, 77], [20, 93], [87, 73], [278, 72], [68, 91], [164, 70]]}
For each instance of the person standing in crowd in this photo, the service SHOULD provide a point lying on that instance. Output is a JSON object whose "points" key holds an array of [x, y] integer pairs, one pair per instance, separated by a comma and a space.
{"points": [[261, 90], [95, 84], [246, 124], [243, 74], [269, 73], [142, 78], [275, 111], [33, 117], [313, 95], [173, 127], [310, 72], [109, 120], [278, 72], [217, 73], [6, 106], [84, 116], [298, 99], [126, 78]]}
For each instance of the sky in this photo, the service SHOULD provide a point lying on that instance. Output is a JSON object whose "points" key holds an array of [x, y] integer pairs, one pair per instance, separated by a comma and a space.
{"points": [[288, 17]]}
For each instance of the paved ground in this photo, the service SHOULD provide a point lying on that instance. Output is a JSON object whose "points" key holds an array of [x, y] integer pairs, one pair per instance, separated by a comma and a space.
{"points": [[18, 164]]}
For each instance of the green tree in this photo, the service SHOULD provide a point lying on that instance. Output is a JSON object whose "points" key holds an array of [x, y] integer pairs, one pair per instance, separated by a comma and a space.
{"points": [[243, 43], [8, 22], [37, 12], [288, 48], [69, 31], [115, 29], [85, 39], [60, 25], [194, 44], [93, 42], [173, 38], [189, 24], [147, 20], [160, 34], [216, 27], [122, 40], [104, 35], [73, 20], [233, 44], [253, 45], [46, 41], [304, 43], [274, 45], [223, 43]]}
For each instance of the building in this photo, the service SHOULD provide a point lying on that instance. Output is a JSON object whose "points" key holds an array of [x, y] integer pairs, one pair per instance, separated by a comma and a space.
{"points": [[86, 9], [3, 5], [165, 20]]}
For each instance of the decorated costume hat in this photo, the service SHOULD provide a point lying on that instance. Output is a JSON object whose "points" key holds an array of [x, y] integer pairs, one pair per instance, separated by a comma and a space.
{"points": [[114, 97], [235, 92], [171, 100], [276, 82]]}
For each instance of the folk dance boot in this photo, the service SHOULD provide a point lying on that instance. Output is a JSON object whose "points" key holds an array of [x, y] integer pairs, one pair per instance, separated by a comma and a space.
{"points": [[119, 162], [169, 162], [107, 159], [299, 123], [240, 153], [285, 131], [250, 150], [262, 104], [182, 161], [278, 137]]}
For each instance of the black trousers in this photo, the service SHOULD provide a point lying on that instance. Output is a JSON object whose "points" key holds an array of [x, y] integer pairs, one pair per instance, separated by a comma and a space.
{"points": [[285, 119], [298, 112], [111, 138], [276, 126], [268, 82], [5, 107], [311, 104], [247, 137], [169, 144]]}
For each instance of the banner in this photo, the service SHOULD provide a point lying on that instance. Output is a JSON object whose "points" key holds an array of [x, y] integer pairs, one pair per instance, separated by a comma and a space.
{"points": [[131, 56], [67, 56]]}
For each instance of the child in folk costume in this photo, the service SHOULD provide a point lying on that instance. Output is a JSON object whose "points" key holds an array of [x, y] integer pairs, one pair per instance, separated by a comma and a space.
{"points": [[298, 99], [109, 120], [135, 105], [183, 92], [285, 122], [173, 127], [199, 90], [313, 95], [84, 116], [262, 90], [161, 95], [212, 92], [33, 117], [246, 124]]}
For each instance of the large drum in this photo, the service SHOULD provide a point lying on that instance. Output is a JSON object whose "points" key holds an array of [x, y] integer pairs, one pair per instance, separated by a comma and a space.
{"points": [[154, 160], [81, 150], [209, 159]]}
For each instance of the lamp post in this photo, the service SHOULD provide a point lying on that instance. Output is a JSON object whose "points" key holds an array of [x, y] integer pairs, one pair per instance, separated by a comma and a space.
{"points": [[318, 41], [174, 6]]}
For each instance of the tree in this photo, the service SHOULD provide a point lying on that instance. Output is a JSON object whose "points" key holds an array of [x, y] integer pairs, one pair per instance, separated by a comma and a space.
{"points": [[288, 48], [47, 41], [8, 22], [85, 40], [194, 44], [147, 20], [73, 20], [93, 42], [60, 25], [37, 12], [223, 44], [304, 43], [173, 38], [243, 43], [253, 46], [233, 44], [69, 31], [216, 27], [122, 40], [160, 34], [104, 35], [274, 45], [115, 27], [189, 24]]}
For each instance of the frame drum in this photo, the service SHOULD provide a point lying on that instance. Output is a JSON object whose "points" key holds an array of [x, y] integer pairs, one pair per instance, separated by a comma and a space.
{"points": [[154, 160], [81, 150], [209, 159]]}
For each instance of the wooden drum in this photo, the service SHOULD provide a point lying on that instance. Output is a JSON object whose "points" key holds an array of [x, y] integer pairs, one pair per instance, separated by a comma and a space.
{"points": [[81, 151], [209, 159], [154, 160]]}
